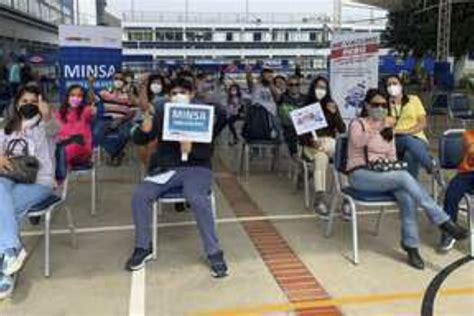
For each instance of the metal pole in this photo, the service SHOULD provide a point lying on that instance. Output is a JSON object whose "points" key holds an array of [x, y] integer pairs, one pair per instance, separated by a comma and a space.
{"points": [[186, 11], [132, 9], [78, 12], [246, 11]]}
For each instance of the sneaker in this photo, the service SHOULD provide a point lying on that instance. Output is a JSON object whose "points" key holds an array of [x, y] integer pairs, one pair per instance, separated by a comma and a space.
{"points": [[454, 230], [446, 243], [13, 260], [7, 285], [321, 210], [217, 264], [138, 259], [346, 212]]}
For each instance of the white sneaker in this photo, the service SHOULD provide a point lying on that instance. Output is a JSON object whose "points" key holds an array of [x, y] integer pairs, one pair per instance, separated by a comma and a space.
{"points": [[13, 260], [346, 213], [7, 285]]}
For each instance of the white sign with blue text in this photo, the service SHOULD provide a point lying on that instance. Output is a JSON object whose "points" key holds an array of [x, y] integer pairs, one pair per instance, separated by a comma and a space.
{"points": [[308, 119], [188, 123]]}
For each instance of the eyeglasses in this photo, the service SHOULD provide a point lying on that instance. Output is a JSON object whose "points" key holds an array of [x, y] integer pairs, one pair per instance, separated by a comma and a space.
{"points": [[293, 85], [173, 93], [378, 104]]}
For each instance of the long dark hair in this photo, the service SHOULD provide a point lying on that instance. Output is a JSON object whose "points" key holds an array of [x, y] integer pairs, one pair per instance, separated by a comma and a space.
{"points": [[311, 98], [405, 98], [13, 118], [387, 133], [65, 106], [239, 92], [152, 78]]}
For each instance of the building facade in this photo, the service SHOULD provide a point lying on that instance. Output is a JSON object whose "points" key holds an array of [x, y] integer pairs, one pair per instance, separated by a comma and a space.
{"points": [[227, 37]]}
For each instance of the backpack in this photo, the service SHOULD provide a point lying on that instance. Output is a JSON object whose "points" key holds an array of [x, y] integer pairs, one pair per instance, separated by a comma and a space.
{"points": [[259, 125]]}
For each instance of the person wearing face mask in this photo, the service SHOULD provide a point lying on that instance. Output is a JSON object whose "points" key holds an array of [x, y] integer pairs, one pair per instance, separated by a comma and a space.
{"points": [[112, 126], [264, 92], [291, 100], [75, 119], [234, 110], [371, 139], [409, 125], [191, 163], [152, 99], [29, 118], [321, 149]]}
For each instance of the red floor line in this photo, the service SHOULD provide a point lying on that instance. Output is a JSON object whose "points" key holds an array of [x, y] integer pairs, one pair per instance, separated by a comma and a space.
{"points": [[290, 273]]}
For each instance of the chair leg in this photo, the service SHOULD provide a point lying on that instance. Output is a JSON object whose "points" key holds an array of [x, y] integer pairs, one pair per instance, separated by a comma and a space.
{"points": [[242, 159], [94, 191], [155, 230], [47, 245], [306, 185], [247, 161], [355, 236], [379, 221], [71, 226], [332, 215]]}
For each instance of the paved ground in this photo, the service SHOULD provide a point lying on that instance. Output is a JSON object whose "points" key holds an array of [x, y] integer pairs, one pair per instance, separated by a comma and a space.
{"points": [[275, 248]]}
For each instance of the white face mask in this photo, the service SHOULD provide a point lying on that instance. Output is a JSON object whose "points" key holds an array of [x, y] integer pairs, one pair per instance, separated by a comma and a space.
{"points": [[28, 124], [180, 98], [118, 84], [394, 90], [320, 93], [156, 88]]}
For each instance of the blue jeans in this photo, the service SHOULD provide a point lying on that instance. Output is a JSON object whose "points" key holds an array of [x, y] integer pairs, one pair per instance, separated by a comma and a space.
{"points": [[415, 152], [196, 184], [15, 199], [408, 192], [113, 142], [457, 188]]}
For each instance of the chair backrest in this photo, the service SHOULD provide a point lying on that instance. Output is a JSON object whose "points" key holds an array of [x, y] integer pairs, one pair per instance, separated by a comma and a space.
{"points": [[459, 103], [440, 102], [340, 155], [451, 149]]}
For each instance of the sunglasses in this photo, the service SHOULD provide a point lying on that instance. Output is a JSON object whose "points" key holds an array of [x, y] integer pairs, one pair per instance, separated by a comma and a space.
{"points": [[378, 104]]}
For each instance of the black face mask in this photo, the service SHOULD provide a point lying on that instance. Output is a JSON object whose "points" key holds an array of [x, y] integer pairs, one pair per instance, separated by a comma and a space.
{"points": [[28, 111]]}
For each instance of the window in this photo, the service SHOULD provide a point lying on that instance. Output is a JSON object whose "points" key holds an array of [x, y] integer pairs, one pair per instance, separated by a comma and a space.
{"points": [[287, 36], [257, 37], [312, 36], [229, 36], [207, 36], [140, 36], [274, 36]]}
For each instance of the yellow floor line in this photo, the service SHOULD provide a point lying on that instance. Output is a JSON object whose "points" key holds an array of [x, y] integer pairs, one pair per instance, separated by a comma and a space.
{"points": [[343, 301]]}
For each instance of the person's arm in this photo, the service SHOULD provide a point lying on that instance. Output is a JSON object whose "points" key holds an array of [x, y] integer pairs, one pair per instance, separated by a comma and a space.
{"points": [[421, 119], [147, 131], [339, 123], [90, 91], [249, 78], [357, 136]]}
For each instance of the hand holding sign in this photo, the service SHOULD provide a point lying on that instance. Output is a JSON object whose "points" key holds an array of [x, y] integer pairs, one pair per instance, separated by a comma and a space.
{"points": [[308, 119]]}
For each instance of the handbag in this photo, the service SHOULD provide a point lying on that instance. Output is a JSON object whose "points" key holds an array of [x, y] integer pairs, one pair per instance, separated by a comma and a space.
{"points": [[24, 167]]}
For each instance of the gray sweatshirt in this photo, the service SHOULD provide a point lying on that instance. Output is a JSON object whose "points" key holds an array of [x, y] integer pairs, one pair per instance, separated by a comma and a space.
{"points": [[41, 142]]}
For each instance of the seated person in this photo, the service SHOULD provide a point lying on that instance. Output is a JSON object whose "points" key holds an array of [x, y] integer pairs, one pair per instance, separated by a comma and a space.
{"points": [[371, 140], [322, 149], [291, 100], [193, 176], [409, 126], [29, 118], [461, 184], [234, 108], [75, 119], [113, 124]]}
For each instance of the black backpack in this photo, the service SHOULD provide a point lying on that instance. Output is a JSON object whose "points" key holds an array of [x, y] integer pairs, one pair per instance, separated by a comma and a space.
{"points": [[259, 125]]}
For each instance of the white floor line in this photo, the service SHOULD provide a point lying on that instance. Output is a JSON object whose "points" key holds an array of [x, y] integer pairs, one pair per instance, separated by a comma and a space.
{"points": [[136, 305], [230, 220]]}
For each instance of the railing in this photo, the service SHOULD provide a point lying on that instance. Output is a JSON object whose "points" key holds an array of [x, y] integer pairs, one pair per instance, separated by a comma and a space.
{"points": [[226, 18], [54, 12]]}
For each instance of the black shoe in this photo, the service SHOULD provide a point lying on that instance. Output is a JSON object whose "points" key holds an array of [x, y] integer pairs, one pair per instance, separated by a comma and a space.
{"points": [[446, 243], [217, 264], [138, 259], [414, 258], [454, 230]]}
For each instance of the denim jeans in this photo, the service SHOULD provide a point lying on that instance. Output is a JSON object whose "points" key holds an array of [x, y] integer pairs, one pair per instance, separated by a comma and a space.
{"points": [[15, 199], [113, 142], [457, 188], [415, 152], [196, 184], [408, 192]]}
